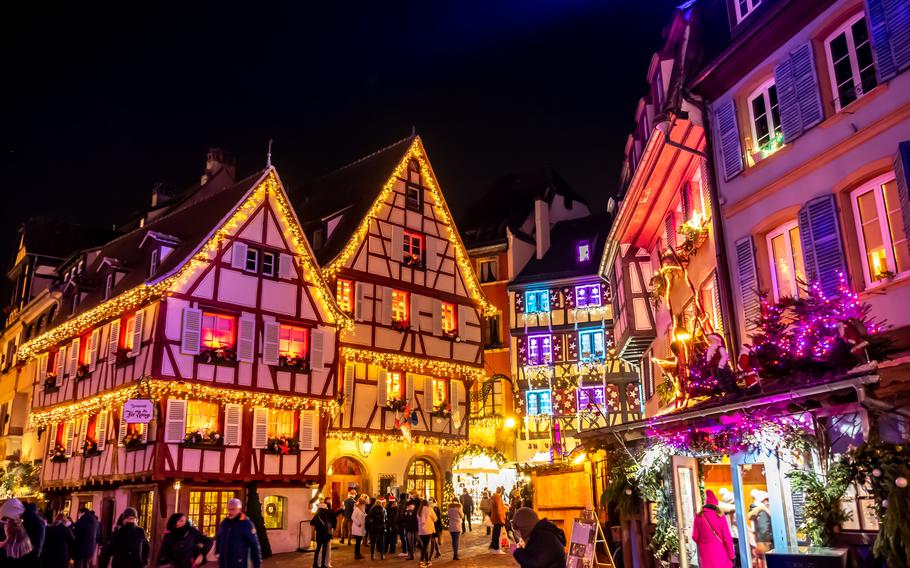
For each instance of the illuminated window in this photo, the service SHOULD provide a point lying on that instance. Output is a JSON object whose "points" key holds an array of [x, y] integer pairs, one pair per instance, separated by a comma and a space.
{"points": [[143, 502], [584, 251], [591, 345], [413, 247], [765, 116], [273, 508], [880, 227], [399, 305], [587, 296], [422, 479], [269, 264], [744, 8], [710, 301], [292, 341], [344, 294], [201, 416], [440, 391], [134, 430], [449, 321], [850, 62], [488, 270], [786, 254], [84, 353], [393, 384], [217, 330], [281, 423], [537, 301], [208, 508], [591, 395], [252, 260], [539, 350], [129, 328], [538, 402]]}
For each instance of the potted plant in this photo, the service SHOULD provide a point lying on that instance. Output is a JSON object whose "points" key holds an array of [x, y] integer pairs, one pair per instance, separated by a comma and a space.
{"points": [[90, 448], [413, 261], [58, 455], [450, 334], [218, 356], [441, 411], [401, 325], [82, 372], [283, 446], [202, 437], [50, 382], [396, 404], [133, 441], [298, 363], [884, 275]]}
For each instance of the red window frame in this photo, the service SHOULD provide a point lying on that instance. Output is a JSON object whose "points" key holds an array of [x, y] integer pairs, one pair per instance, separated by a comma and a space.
{"points": [[58, 439], [214, 338], [83, 349], [412, 241], [126, 336], [449, 306], [347, 305], [405, 301], [303, 343], [91, 429]]}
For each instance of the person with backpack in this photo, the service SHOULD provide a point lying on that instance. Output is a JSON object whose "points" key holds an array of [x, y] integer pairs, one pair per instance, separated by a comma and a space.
{"points": [[467, 504], [183, 545], [711, 535], [346, 518], [322, 523], [485, 510], [128, 547], [376, 520]]}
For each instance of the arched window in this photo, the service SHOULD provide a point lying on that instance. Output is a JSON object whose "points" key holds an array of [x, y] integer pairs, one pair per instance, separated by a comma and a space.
{"points": [[422, 478]]}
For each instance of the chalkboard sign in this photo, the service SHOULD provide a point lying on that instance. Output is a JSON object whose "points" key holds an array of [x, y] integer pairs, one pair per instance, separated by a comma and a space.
{"points": [[798, 501], [581, 545]]}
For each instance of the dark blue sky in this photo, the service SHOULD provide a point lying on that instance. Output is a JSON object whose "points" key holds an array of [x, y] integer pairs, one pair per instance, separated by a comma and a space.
{"points": [[103, 101]]}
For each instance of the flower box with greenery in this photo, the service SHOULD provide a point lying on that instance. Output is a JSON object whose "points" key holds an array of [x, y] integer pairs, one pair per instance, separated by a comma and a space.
{"points": [[121, 356], [82, 372], [283, 445], [50, 383], [299, 364], [202, 437], [133, 441], [413, 261], [58, 454], [450, 334], [401, 325], [226, 356], [90, 448], [396, 404], [441, 410]]}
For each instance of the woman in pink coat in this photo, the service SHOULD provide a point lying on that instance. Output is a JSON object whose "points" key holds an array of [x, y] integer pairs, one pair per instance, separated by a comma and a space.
{"points": [[711, 534]]}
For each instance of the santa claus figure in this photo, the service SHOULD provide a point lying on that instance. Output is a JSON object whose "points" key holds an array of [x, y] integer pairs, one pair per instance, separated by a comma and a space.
{"points": [[716, 355], [748, 367], [854, 334]]}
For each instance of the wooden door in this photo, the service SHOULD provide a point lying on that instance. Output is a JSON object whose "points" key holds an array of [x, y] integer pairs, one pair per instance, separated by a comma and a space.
{"points": [[688, 504]]}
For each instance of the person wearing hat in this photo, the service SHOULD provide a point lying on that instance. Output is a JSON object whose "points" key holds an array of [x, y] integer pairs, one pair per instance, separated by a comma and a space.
{"points": [[711, 535], [16, 549], [85, 529], [760, 518], [183, 545], [377, 521], [391, 525], [236, 543], [541, 544], [128, 547]]}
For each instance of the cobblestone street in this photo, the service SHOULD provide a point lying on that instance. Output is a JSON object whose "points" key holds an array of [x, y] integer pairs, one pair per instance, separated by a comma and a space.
{"points": [[473, 553]]}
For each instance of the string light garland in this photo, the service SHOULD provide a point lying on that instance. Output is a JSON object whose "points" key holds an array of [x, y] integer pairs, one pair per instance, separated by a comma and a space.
{"points": [[397, 362], [146, 293], [418, 442]]}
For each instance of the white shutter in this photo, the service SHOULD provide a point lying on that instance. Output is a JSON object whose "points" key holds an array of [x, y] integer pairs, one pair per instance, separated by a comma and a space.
{"points": [[411, 379], [462, 321], [431, 253], [358, 301], [317, 349], [246, 337], [191, 333], [414, 311], [348, 386], [101, 429], [286, 266], [83, 432], [454, 400], [175, 424], [748, 281], [397, 252], [386, 305], [382, 388], [437, 317], [94, 340], [270, 343], [309, 430], [145, 432], [41, 368], [137, 334], [233, 424], [731, 156], [69, 435], [61, 358], [798, 92], [73, 362], [427, 394], [260, 427], [121, 433], [113, 342], [238, 256]]}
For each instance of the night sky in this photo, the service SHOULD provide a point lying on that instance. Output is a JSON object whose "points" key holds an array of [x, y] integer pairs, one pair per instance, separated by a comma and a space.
{"points": [[102, 102]]}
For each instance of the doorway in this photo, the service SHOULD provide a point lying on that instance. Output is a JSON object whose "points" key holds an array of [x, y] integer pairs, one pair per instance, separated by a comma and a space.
{"points": [[344, 474], [688, 504]]}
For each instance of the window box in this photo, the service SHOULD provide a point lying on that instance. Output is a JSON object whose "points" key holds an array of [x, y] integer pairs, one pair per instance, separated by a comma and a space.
{"points": [[450, 334], [442, 411], [298, 364], [90, 449], [121, 356], [226, 356], [202, 438], [82, 372], [50, 383], [396, 404], [58, 455], [283, 446], [401, 325], [413, 261]]}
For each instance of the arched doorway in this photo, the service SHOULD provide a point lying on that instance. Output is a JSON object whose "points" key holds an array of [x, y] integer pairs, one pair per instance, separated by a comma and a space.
{"points": [[422, 478], [344, 474]]}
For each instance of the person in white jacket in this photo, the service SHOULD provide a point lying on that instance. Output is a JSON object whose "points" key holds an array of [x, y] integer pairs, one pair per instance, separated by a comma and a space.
{"points": [[358, 522], [426, 528]]}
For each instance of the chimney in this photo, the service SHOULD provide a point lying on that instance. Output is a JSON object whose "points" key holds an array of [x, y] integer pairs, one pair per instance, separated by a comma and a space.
{"points": [[215, 160], [161, 194], [541, 226]]}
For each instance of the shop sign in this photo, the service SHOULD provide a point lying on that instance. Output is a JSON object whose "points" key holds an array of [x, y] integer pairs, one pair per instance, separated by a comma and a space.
{"points": [[138, 411]]}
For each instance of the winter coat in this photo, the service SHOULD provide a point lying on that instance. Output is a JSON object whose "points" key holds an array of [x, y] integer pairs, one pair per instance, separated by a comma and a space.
{"points": [[323, 522], [497, 510], [426, 521], [485, 505], [438, 524], [376, 519], [391, 517], [468, 503], [349, 507], [545, 547], [455, 517], [236, 543], [128, 547], [34, 527], [711, 534], [410, 516], [85, 529], [181, 546], [58, 544], [358, 519]]}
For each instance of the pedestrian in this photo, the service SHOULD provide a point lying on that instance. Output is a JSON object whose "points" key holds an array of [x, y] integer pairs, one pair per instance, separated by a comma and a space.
{"points": [[16, 549], [58, 544], [426, 527], [391, 523], [348, 511], [514, 505], [467, 503], [541, 544], [358, 526], [485, 510], [498, 518], [711, 535], [456, 524], [377, 520], [414, 503], [402, 521], [436, 541], [183, 545], [128, 547], [35, 527], [85, 529], [322, 527], [236, 543]]}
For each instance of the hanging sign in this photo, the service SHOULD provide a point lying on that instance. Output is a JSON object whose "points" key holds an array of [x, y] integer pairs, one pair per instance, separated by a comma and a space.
{"points": [[138, 411]]}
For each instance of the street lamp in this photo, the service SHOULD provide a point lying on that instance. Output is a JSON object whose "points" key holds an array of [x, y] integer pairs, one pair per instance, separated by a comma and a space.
{"points": [[366, 447]]}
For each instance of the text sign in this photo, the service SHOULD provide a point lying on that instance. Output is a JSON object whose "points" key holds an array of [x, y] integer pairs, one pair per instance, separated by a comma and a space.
{"points": [[138, 411]]}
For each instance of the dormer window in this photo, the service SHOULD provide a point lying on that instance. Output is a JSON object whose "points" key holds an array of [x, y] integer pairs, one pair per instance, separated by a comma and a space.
{"points": [[153, 263], [583, 251], [744, 8], [108, 286], [75, 302]]}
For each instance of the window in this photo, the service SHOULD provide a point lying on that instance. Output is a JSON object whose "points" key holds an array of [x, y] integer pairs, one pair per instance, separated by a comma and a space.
{"points": [[488, 398], [399, 305], [273, 508], [591, 345], [129, 329], [588, 396], [143, 502], [208, 508], [217, 330], [201, 417], [710, 301], [269, 264], [413, 248], [252, 260], [880, 227], [491, 338], [422, 478], [440, 392], [449, 319], [393, 384], [344, 294], [413, 194], [850, 62], [153, 264], [84, 353], [108, 286], [537, 301], [584, 251], [744, 8], [786, 254], [488, 269], [281, 423], [540, 350], [318, 238], [587, 295], [538, 402], [292, 341], [75, 302], [765, 116]]}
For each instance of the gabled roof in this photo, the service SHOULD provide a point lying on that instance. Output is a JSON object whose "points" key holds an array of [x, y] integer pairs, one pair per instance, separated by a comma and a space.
{"points": [[560, 260]]}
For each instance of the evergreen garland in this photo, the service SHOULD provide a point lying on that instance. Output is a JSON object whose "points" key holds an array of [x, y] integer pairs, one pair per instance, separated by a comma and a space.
{"points": [[823, 512], [621, 488]]}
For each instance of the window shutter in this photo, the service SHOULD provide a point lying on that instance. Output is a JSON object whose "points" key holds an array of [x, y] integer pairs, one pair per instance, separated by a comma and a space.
{"points": [[61, 358], [69, 437], [73, 357], [348, 387], [113, 342], [270, 342], [95, 339], [145, 432], [437, 317], [358, 301], [260, 427], [463, 312], [427, 394], [522, 355], [823, 252], [309, 430], [191, 335], [687, 201], [382, 388], [519, 302], [397, 252], [386, 305], [718, 313], [286, 266], [748, 281], [137, 333], [889, 28], [454, 401], [101, 429], [670, 229], [83, 432], [798, 92], [902, 175], [233, 424], [411, 386], [317, 349], [705, 188], [121, 431], [728, 132], [246, 338], [414, 311], [41, 368], [431, 254], [238, 255], [175, 425]]}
